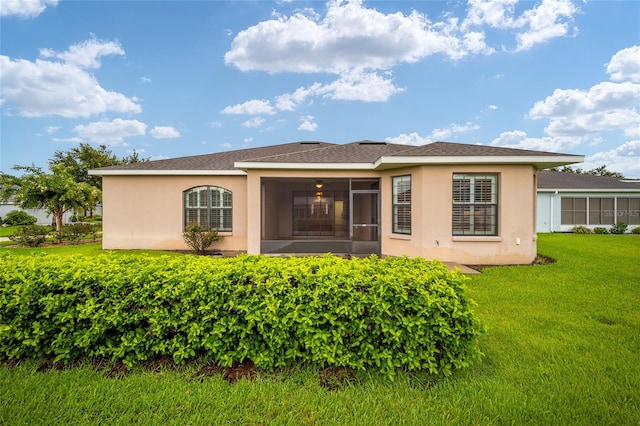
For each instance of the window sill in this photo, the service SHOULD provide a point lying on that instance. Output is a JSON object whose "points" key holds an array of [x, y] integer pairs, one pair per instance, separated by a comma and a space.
{"points": [[405, 237], [477, 238]]}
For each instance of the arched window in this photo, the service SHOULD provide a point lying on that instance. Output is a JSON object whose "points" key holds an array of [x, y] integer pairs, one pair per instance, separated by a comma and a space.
{"points": [[209, 206]]}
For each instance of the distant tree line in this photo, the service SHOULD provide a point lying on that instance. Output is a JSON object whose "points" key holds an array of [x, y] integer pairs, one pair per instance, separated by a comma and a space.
{"points": [[598, 171]]}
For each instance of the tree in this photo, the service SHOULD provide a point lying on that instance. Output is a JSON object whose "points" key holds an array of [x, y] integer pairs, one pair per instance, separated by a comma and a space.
{"points": [[83, 158], [598, 171], [57, 192]]}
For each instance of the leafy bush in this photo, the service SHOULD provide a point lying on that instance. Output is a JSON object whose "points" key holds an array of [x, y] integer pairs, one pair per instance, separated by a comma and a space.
{"points": [[618, 228], [636, 230], [94, 218], [18, 217], [579, 229], [76, 218], [74, 232], [31, 235], [323, 311], [600, 230], [199, 238]]}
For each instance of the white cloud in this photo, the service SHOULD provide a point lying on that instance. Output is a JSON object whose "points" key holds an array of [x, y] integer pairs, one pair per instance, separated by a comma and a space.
{"points": [[349, 36], [85, 55], [519, 139], [247, 140], [252, 107], [409, 139], [25, 8], [69, 140], [145, 80], [307, 123], [624, 159], [110, 132], [164, 132], [44, 88], [51, 129], [625, 65], [358, 85], [254, 122], [605, 106], [438, 135], [353, 85], [547, 20]]}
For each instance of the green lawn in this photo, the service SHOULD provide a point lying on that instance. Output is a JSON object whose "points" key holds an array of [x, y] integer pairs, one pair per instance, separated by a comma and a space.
{"points": [[6, 231], [562, 347]]}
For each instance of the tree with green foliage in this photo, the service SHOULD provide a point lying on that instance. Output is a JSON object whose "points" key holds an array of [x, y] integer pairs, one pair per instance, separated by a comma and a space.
{"points": [[84, 157], [598, 171], [57, 192]]}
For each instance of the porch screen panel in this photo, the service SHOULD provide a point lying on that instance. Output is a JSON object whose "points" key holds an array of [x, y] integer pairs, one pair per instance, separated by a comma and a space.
{"points": [[601, 211], [628, 210], [573, 211]]}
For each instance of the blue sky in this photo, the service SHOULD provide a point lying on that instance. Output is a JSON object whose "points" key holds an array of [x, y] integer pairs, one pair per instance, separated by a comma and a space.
{"points": [[179, 78]]}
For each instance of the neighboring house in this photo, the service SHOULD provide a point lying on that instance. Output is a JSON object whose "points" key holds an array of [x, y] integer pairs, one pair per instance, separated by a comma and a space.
{"points": [[569, 199], [470, 204]]}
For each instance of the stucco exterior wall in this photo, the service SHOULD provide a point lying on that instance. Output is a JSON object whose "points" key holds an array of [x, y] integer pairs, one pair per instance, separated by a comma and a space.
{"points": [[147, 212], [431, 235]]}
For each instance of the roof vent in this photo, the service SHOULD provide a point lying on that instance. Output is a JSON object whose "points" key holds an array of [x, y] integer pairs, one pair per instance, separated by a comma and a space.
{"points": [[371, 143]]}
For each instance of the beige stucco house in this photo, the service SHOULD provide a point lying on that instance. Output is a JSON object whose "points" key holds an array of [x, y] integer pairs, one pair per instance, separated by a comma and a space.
{"points": [[470, 204]]}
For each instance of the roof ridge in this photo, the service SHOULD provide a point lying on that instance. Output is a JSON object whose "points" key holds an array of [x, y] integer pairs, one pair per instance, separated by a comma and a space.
{"points": [[323, 145]]}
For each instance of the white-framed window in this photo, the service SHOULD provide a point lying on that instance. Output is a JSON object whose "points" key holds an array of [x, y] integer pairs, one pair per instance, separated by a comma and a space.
{"points": [[475, 204], [210, 207], [401, 204]]}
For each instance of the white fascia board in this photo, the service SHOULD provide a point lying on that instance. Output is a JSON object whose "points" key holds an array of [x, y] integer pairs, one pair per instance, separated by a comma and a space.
{"points": [[303, 166], [167, 173], [498, 159], [566, 191]]}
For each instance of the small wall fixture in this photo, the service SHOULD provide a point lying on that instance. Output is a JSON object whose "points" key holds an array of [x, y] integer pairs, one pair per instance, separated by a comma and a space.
{"points": [[319, 184]]}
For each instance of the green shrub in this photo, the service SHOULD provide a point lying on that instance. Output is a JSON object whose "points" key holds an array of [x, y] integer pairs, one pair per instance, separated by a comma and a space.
{"points": [[94, 218], [579, 229], [199, 238], [618, 228], [600, 230], [380, 314], [31, 235], [19, 217], [636, 230], [74, 232]]}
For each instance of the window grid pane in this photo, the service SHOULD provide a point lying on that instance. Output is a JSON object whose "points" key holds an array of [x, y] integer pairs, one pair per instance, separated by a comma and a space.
{"points": [[475, 204], [401, 204], [209, 207]]}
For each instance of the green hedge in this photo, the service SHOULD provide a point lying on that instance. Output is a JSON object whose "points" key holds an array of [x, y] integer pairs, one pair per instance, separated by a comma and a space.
{"points": [[372, 313]]}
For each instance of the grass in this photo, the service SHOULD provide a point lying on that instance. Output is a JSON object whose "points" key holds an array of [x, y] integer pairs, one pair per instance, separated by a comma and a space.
{"points": [[7, 231], [562, 347]]}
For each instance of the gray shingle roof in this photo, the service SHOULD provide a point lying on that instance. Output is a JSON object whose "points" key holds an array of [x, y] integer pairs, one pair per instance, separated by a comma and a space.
{"points": [[450, 149], [548, 179], [220, 160], [300, 153], [355, 152]]}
